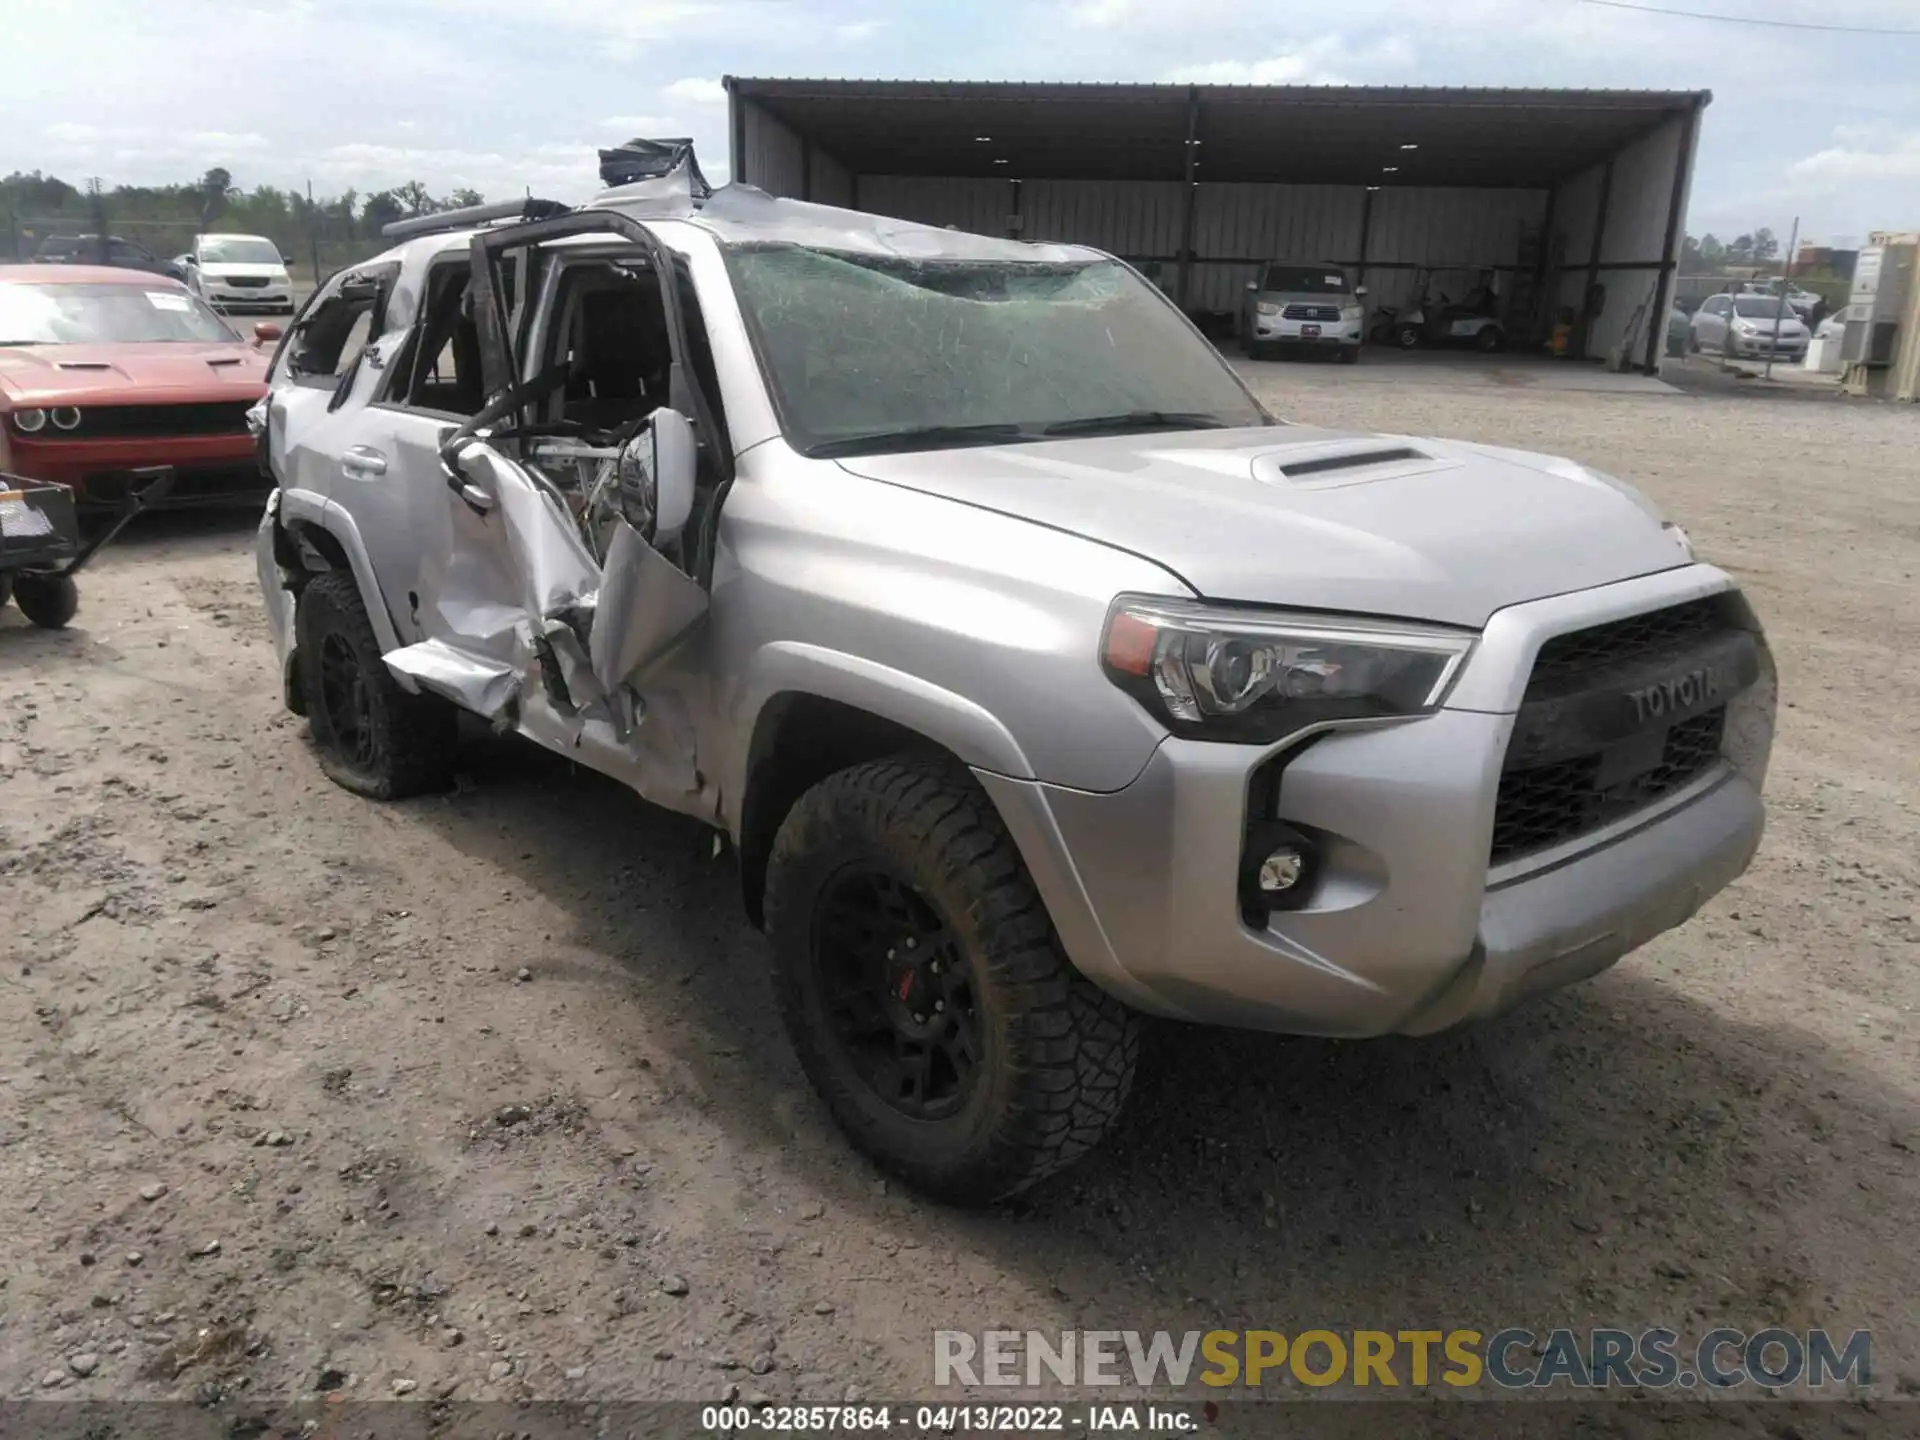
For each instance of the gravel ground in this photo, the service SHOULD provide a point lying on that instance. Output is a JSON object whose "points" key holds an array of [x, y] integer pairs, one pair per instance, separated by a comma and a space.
{"points": [[483, 1095]]}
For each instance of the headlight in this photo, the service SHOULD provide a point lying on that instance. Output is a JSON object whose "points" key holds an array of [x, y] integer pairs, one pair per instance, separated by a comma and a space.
{"points": [[1255, 677], [66, 417], [29, 422], [1351, 313], [1745, 327], [1265, 307]]}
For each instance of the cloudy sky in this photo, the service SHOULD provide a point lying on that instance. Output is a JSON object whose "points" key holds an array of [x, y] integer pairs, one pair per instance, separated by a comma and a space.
{"points": [[502, 94]]}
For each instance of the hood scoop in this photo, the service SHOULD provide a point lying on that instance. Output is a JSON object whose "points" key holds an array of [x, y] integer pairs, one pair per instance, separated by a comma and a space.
{"points": [[1346, 462], [228, 360], [82, 365]]}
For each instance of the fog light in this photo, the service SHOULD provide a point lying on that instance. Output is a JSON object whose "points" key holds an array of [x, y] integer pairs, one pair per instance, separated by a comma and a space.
{"points": [[1281, 870]]}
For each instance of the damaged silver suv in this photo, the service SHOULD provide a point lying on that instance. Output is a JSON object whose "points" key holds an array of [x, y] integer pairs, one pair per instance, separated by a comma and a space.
{"points": [[1040, 679]]}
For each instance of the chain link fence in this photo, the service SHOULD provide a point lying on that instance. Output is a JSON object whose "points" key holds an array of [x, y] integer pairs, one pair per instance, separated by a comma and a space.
{"points": [[315, 247]]}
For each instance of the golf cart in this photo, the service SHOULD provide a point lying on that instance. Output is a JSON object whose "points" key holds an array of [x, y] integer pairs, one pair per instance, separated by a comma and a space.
{"points": [[1437, 320]]}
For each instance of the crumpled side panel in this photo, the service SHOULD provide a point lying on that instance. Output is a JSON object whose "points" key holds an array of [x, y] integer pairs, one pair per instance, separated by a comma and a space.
{"points": [[483, 686], [555, 569]]}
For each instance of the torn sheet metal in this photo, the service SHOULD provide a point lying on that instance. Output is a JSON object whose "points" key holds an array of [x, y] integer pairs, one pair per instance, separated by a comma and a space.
{"points": [[554, 568], [646, 604], [484, 686]]}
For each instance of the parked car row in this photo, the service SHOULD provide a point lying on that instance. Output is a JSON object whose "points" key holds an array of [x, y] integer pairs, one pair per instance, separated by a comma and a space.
{"points": [[233, 273]]}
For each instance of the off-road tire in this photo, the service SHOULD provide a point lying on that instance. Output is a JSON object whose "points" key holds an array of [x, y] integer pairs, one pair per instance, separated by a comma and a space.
{"points": [[49, 601], [410, 738], [1058, 1052]]}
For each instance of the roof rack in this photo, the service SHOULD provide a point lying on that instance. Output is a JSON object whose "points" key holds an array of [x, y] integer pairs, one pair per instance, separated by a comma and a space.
{"points": [[471, 216]]}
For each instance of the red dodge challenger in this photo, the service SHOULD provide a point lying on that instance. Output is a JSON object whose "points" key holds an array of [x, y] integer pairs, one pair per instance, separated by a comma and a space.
{"points": [[108, 374]]}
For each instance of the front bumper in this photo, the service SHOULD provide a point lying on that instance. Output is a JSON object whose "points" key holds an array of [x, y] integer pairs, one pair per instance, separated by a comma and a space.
{"points": [[1278, 330], [1408, 930], [251, 302], [209, 469], [1757, 349]]}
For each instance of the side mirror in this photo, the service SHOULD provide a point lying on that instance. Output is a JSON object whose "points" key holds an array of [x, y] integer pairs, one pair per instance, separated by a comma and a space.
{"points": [[285, 259], [1360, 290], [657, 470], [266, 333], [1253, 287]]}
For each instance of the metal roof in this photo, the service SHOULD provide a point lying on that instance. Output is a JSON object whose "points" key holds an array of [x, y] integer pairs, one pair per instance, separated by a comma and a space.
{"points": [[1300, 133]]}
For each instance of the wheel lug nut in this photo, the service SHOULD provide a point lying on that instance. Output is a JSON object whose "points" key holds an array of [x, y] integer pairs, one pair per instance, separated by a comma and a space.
{"points": [[890, 954], [910, 943], [938, 1006], [919, 1019]]}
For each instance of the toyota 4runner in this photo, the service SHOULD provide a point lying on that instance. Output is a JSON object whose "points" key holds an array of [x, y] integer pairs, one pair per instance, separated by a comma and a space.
{"points": [[1039, 678]]}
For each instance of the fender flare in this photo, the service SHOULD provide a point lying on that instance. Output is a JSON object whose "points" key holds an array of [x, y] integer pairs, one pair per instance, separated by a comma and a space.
{"points": [[974, 734], [304, 507]]}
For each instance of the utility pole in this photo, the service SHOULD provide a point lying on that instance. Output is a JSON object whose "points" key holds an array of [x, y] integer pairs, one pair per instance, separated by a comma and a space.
{"points": [[1786, 283], [97, 197], [313, 234]]}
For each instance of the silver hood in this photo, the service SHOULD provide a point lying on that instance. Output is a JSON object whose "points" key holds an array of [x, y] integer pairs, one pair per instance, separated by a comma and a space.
{"points": [[1385, 525]]}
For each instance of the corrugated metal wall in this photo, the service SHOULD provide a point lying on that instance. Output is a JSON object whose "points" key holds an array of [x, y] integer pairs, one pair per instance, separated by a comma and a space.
{"points": [[781, 163], [981, 206], [1132, 218], [1636, 232], [770, 153]]}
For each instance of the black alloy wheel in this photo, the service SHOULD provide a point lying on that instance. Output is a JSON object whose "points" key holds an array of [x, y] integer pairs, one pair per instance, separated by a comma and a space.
{"points": [[898, 994]]}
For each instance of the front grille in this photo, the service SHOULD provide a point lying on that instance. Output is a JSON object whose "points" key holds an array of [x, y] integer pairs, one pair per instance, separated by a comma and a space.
{"points": [[213, 417], [243, 282], [1326, 313], [1580, 759], [1543, 806], [1566, 661]]}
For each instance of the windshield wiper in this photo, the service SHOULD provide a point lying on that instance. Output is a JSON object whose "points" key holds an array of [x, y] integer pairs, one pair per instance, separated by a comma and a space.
{"points": [[1137, 420], [922, 437]]}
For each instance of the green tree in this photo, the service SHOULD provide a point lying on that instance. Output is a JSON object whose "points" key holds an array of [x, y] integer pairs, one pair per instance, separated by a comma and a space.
{"points": [[416, 198], [381, 209], [1765, 246], [464, 197], [215, 186]]}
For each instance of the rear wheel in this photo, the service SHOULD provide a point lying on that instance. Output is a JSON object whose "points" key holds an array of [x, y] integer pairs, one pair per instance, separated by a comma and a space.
{"points": [[922, 986], [1489, 338], [373, 737], [49, 601], [1407, 337]]}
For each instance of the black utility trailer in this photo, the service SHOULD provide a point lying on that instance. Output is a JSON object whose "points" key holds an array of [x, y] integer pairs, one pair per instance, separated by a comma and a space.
{"points": [[40, 545]]}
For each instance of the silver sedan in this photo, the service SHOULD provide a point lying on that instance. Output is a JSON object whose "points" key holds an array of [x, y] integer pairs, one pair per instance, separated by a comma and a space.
{"points": [[1754, 327]]}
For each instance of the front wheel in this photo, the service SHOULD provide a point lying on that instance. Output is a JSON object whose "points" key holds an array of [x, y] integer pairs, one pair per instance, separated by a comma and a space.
{"points": [[49, 601], [921, 984], [1350, 354], [373, 737], [1407, 337], [1488, 338]]}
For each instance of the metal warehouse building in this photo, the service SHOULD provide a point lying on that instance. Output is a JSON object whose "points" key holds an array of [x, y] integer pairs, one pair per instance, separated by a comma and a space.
{"points": [[1569, 196]]}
